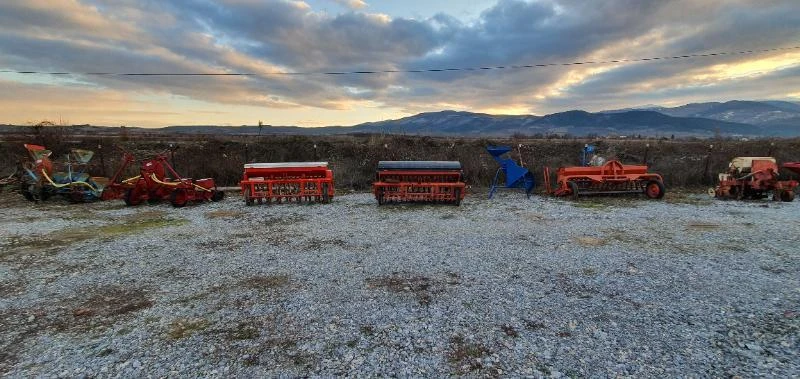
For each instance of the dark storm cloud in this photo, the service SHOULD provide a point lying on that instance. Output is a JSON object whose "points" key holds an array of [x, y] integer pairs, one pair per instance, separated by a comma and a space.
{"points": [[269, 36]]}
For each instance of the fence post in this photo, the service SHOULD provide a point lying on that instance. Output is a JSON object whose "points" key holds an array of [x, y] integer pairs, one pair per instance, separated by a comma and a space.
{"points": [[706, 174]]}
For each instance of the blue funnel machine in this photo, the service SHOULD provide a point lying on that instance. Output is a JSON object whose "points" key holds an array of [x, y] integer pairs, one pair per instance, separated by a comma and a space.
{"points": [[516, 176]]}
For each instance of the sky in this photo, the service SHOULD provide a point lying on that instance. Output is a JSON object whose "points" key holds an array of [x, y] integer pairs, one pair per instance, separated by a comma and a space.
{"points": [[269, 36]]}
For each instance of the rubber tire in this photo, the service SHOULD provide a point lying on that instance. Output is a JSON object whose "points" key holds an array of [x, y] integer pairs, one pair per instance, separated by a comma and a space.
{"points": [[76, 196], [457, 193], [661, 189], [217, 195], [573, 187], [178, 198], [247, 200], [787, 196], [24, 189], [129, 199], [381, 200], [152, 199], [325, 197]]}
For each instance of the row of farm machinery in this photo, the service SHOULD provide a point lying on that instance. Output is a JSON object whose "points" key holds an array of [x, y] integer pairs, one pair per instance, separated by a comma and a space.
{"points": [[157, 181], [440, 182]]}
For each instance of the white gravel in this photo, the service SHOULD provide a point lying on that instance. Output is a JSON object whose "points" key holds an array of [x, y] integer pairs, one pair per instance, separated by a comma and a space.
{"points": [[510, 287]]}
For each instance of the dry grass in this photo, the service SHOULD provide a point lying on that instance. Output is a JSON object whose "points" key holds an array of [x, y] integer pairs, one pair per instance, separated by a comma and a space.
{"points": [[246, 330], [264, 283], [52, 242], [702, 226], [224, 214], [466, 356], [185, 327], [421, 287], [93, 309], [689, 198], [591, 241]]}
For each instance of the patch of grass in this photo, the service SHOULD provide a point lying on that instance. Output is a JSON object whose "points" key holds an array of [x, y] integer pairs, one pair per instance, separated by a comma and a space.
{"points": [[533, 325], [422, 287], [185, 327], [224, 214], [113, 301], [367, 330], [218, 245], [606, 202], [318, 243], [702, 226], [687, 198], [95, 308], [7, 289], [590, 241], [466, 356], [628, 237], [589, 205], [244, 331], [135, 224], [268, 282], [774, 269], [509, 330]]}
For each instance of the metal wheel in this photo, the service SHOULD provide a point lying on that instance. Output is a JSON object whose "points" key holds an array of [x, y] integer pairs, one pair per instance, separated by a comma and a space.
{"points": [[381, 199], [787, 195], [28, 191], [457, 194], [217, 195], [326, 198], [76, 195], [654, 189], [247, 199], [132, 198], [573, 188], [179, 198]]}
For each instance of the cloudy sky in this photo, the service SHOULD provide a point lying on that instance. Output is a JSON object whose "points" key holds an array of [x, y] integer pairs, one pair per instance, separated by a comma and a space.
{"points": [[269, 36]]}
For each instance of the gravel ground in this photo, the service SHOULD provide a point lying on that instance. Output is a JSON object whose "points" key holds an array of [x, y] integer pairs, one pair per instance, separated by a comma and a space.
{"points": [[508, 287]]}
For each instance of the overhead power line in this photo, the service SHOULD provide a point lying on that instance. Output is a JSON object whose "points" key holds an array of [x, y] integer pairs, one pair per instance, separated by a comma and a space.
{"points": [[367, 72]]}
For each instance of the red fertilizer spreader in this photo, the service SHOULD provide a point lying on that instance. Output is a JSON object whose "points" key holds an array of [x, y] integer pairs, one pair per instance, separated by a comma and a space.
{"points": [[287, 182]]}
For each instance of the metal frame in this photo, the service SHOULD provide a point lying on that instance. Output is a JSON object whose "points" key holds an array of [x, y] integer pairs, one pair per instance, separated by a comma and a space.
{"points": [[287, 182], [419, 181]]}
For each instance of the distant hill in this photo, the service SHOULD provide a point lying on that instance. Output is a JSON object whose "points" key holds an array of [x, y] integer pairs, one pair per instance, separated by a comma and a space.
{"points": [[746, 112], [732, 118], [570, 122]]}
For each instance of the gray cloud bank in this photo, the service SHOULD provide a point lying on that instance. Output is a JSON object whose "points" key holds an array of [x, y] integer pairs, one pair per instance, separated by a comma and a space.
{"points": [[269, 36]]}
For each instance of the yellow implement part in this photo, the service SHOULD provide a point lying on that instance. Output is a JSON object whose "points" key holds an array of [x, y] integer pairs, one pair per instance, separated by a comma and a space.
{"points": [[131, 179], [54, 184], [155, 179]]}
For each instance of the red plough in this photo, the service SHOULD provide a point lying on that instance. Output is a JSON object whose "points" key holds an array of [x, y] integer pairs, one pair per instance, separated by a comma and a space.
{"points": [[287, 182], [153, 185], [419, 181]]}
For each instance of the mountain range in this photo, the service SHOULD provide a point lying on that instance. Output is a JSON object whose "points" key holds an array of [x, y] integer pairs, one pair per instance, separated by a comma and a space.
{"points": [[733, 118]]}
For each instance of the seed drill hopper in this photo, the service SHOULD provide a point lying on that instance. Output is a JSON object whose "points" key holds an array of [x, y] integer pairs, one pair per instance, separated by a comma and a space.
{"points": [[755, 178], [419, 181], [41, 180], [287, 182], [515, 175], [598, 177]]}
